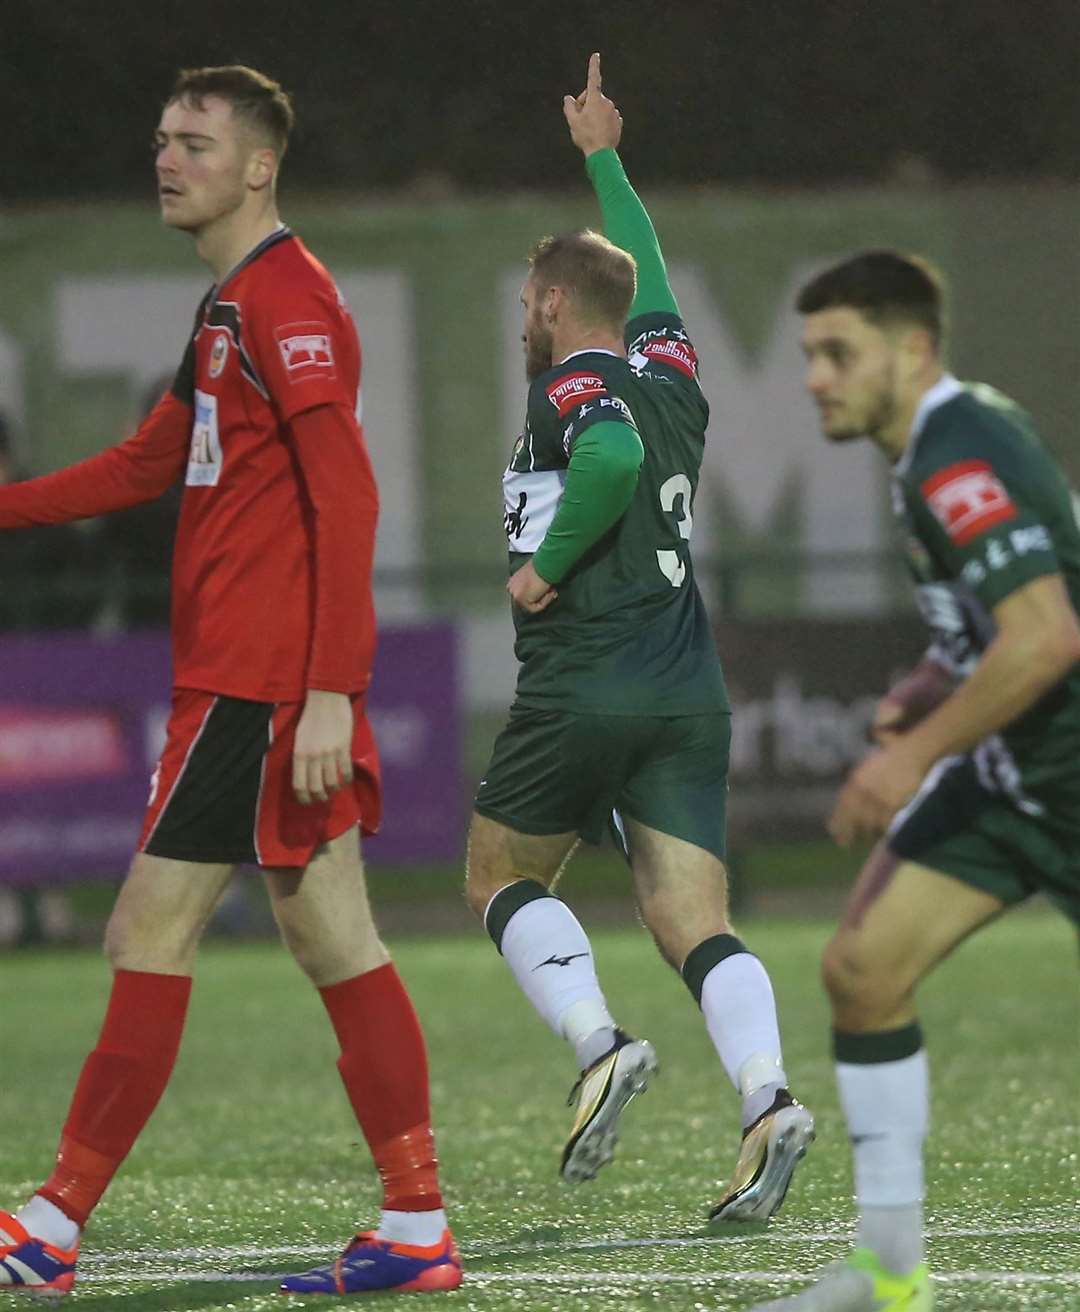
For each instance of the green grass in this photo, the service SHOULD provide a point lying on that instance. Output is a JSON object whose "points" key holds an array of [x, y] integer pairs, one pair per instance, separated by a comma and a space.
{"points": [[253, 1148]]}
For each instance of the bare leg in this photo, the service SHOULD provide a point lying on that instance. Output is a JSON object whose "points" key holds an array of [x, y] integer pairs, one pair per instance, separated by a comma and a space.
{"points": [[681, 890], [324, 914]]}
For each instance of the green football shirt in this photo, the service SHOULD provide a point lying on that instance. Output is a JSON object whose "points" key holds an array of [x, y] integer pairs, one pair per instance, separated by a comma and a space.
{"points": [[984, 509], [628, 633]]}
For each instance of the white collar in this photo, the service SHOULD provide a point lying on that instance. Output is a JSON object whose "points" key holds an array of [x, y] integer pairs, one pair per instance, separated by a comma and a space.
{"points": [[946, 387]]}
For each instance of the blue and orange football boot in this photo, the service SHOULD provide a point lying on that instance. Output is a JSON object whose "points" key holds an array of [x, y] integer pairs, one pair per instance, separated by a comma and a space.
{"points": [[33, 1266], [370, 1265]]}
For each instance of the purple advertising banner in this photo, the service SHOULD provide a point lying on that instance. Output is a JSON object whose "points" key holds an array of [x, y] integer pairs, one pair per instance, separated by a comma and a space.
{"points": [[82, 721]]}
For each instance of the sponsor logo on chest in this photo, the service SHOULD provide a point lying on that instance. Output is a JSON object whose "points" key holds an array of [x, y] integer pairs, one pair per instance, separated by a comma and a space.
{"points": [[968, 498], [204, 457]]}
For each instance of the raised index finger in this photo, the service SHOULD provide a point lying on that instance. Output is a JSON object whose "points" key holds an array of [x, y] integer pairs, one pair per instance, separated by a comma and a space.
{"points": [[592, 80]]}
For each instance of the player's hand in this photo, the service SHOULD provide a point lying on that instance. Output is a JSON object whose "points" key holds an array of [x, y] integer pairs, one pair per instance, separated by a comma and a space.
{"points": [[890, 720], [594, 122], [529, 591], [875, 790], [322, 751]]}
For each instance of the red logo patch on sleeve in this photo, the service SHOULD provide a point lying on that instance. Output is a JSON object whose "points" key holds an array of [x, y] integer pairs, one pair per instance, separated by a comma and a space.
{"points": [[968, 498], [573, 389], [306, 350], [680, 355]]}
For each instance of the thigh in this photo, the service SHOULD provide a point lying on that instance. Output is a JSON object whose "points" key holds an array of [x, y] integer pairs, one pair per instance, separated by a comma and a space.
{"points": [[903, 918], [160, 913], [680, 785], [496, 855], [681, 889], [324, 914]]}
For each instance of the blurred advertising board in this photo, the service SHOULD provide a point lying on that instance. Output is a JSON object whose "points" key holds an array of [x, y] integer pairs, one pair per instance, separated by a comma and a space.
{"points": [[804, 693], [82, 722]]}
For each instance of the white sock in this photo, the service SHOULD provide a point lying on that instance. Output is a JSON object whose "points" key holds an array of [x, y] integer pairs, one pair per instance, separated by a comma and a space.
{"points": [[895, 1234], [552, 960], [589, 1028], [887, 1108], [421, 1228], [44, 1220], [740, 1014]]}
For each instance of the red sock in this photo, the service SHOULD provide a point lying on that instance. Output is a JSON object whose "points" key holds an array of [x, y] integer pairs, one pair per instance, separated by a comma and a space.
{"points": [[119, 1087], [384, 1066]]}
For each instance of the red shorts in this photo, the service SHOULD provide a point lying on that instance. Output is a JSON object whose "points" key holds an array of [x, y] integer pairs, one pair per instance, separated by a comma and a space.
{"points": [[222, 791]]}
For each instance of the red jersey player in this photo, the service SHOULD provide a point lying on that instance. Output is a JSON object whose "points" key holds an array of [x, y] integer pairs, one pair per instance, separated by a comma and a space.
{"points": [[269, 756]]}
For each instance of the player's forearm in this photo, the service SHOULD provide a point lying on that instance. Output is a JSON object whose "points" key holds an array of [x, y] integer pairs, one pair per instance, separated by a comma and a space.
{"points": [[600, 483], [1014, 672], [341, 483], [626, 222], [135, 471]]}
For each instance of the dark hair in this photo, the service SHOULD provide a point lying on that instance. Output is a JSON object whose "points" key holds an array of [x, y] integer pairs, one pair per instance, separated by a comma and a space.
{"points": [[885, 287], [601, 276], [257, 99]]}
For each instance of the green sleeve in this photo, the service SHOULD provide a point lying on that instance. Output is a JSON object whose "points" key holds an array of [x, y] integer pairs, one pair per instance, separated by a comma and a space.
{"points": [[600, 481], [626, 222]]}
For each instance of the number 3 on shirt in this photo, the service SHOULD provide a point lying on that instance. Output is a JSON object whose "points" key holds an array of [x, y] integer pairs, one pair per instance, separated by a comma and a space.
{"points": [[671, 565]]}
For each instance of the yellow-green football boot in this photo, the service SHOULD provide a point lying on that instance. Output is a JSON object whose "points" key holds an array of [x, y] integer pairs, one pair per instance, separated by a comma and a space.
{"points": [[860, 1284]]}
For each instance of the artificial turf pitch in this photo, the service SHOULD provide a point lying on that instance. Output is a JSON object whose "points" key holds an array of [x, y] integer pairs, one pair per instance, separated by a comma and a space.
{"points": [[252, 1165]]}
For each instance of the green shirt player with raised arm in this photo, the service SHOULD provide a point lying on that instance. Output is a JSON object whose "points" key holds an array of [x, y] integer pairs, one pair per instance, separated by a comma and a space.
{"points": [[621, 720]]}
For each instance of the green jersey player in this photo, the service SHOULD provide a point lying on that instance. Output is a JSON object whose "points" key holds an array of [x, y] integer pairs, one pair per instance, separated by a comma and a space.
{"points": [[976, 784], [621, 716]]}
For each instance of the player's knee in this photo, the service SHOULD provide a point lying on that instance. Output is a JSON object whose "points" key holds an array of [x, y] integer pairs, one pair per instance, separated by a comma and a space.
{"points": [[136, 942], [481, 887], [483, 879], [116, 942], [476, 894], [327, 958], [861, 986]]}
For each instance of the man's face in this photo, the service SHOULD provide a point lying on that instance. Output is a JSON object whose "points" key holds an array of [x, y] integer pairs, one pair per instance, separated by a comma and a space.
{"points": [[851, 373], [536, 337], [203, 162]]}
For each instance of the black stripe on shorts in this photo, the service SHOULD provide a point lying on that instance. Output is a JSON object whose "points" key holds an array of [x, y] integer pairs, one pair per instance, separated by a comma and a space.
{"points": [[213, 810]]}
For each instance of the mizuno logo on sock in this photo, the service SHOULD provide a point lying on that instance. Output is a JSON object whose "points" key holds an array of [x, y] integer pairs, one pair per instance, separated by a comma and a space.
{"points": [[553, 960]]}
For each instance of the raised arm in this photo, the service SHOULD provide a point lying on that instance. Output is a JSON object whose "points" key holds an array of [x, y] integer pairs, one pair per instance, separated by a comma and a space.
{"points": [[596, 128]]}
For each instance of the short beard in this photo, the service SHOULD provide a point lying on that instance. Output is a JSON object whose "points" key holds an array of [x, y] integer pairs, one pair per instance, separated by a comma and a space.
{"points": [[879, 417], [883, 413], [538, 345]]}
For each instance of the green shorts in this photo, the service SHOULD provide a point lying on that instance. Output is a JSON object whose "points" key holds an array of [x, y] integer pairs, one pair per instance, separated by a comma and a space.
{"points": [[556, 772], [960, 827]]}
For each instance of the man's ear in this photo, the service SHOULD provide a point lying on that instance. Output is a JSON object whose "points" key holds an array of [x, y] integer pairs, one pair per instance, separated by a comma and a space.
{"points": [[554, 300], [262, 165], [918, 349]]}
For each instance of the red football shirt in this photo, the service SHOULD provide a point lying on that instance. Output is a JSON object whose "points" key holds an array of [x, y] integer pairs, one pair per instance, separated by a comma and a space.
{"points": [[272, 564]]}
